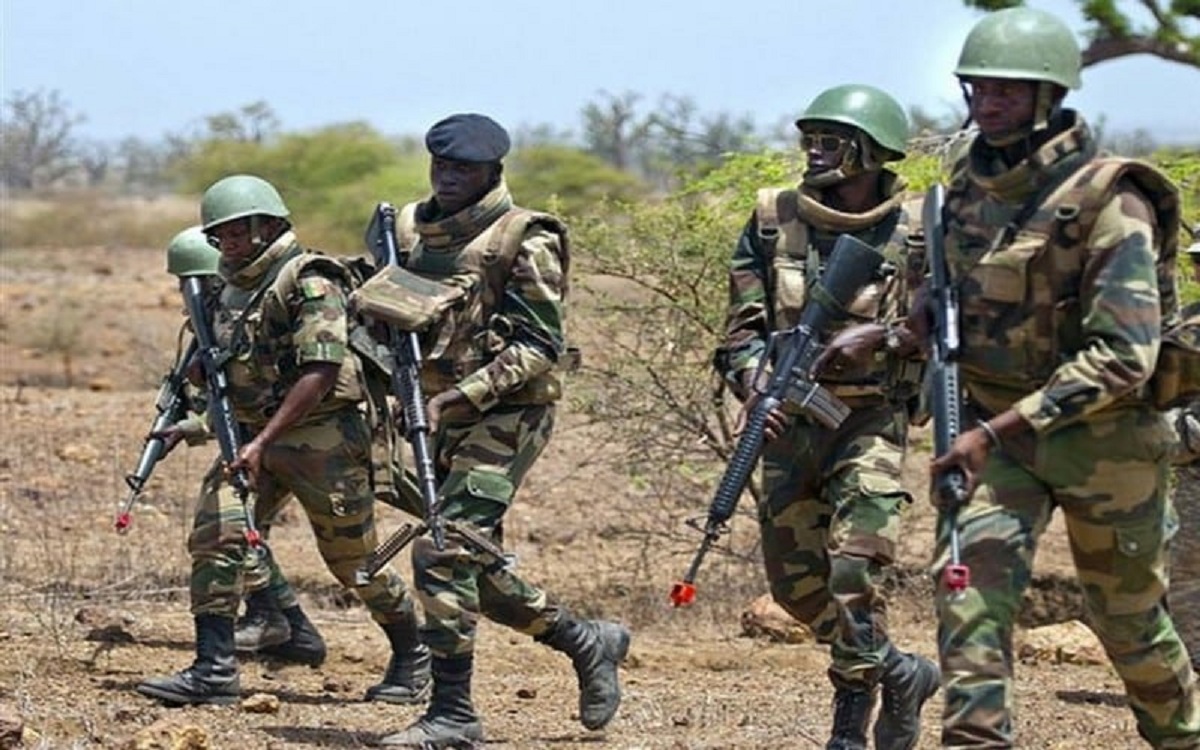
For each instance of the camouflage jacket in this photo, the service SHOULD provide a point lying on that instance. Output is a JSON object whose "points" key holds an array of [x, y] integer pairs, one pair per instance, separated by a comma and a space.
{"points": [[1060, 318], [502, 340], [790, 234], [286, 309]]}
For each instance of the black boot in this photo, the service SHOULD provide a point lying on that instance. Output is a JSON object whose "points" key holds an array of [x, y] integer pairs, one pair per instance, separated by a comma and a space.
{"points": [[851, 713], [263, 625], [908, 681], [596, 647], [407, 676], [305, 646], [450, 721], [213, 676]]}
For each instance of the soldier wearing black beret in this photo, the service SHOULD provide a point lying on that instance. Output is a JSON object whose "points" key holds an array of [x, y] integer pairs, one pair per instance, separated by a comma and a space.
{"points": [[493, 385], [471, 138]]}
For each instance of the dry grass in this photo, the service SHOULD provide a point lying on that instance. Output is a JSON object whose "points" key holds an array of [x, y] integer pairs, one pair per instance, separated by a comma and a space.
{"points": [[90, 219]]}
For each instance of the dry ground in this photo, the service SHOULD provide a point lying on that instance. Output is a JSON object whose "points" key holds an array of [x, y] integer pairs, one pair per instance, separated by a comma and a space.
{"points": [[692, 681]]}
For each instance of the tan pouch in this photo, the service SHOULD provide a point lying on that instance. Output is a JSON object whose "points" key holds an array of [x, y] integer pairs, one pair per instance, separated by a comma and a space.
{"points": [[1176, 378], [400, 298]]}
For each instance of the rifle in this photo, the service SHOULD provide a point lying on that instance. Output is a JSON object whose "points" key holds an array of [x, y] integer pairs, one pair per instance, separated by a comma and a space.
{"points": [[792, 353], [171, 405], [946, 389], [405, 354], [220, 410]]}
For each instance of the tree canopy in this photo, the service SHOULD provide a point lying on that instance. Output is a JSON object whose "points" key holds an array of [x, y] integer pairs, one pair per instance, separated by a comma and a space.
{"points": [[1114, 32]]}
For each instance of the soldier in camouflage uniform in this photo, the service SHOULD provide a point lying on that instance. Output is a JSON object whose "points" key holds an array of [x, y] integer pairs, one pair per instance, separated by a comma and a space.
{"points": [[488, 370], [832, 499], [274, 624], [296, 391], [1184, 597], [1064, 263]]}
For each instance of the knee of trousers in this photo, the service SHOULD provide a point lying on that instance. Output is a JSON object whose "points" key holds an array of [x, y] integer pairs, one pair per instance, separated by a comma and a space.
{"points": [[851, 575], [1130, 632], [810, 608], [385, 596]]}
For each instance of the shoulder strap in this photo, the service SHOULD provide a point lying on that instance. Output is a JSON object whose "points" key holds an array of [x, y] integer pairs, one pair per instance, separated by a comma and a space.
{"points": [[773, 208], [1078, 203], [406, 228], [504, 240]]}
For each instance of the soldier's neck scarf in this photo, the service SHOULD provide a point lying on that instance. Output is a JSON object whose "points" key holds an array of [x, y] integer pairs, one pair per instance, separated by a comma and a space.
{"points": [[250, 275], [462, 227], [816, 214], [1045, 167]]}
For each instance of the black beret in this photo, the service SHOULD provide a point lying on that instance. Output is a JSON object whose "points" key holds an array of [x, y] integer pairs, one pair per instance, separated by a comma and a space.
{"points": [[468, 137]]}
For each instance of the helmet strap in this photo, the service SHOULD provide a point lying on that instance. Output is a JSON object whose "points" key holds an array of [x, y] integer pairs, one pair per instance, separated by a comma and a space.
{"points": [[853, 159]]}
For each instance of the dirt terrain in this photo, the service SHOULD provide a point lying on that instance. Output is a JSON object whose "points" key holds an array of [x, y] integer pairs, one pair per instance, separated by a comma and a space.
{"points": [[85, 613]]}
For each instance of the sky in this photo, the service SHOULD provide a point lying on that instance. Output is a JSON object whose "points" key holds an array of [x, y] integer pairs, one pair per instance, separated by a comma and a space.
{"points": [[150, 67]]}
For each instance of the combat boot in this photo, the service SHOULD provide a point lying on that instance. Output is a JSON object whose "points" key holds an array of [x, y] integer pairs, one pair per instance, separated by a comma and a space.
{"points": [[213, 676], [263, 625], [407, 676], [908, 681], [851, 714], [450, 721], [305, 646], [596, 647]]}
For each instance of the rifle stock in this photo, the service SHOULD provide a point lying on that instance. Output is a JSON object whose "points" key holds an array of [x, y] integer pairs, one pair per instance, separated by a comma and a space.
{"points": [[792, 354], [220, 411], [946, 388], [405, 353], [171, 406]]}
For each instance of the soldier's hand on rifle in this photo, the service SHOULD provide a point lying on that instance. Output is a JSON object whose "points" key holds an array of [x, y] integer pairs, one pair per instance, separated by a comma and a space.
{"points": [[851, 348], [249, 459], [172, 436], [969, 452], [451, 405], [776, 424]]}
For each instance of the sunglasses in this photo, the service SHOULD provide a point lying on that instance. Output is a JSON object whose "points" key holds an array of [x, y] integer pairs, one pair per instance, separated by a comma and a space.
{"points": [[828, 142]]}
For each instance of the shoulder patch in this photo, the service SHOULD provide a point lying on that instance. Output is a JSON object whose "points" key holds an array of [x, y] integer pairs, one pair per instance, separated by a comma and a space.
{"points": [[314, 287]]}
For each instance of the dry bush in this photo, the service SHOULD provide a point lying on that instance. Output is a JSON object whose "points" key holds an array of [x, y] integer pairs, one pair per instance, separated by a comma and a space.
{"points": [[93, 219]]}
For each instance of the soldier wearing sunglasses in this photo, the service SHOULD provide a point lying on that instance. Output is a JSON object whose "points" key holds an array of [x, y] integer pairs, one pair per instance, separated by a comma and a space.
{"points": [[832, 498]]}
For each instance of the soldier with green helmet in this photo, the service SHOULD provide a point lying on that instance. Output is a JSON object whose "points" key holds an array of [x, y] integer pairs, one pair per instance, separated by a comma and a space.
{"points": [[273, 625], [832, 498], [1063, 261], [296, 391]]}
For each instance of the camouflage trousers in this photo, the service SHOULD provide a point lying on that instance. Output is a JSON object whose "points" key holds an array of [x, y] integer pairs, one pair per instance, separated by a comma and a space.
{"points": [[326, 466], [1184, 596], [1108, 474], [480, 465], [830, 518], [263, 571]]}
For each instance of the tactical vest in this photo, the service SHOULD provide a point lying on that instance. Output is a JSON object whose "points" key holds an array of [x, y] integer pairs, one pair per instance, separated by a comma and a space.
{"points": [[255, 328], [474, 331], [796, 250], [1026, 318]]}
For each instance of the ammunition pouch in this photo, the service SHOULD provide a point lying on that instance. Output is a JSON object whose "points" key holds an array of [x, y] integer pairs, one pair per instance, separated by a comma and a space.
{"points": [[397, 297], [1176, 378]]}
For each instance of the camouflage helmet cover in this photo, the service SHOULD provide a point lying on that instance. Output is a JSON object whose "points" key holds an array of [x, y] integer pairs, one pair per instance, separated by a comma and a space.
{"points": [[866, 108], [239, 196], [189, 254], [1024, 44]]}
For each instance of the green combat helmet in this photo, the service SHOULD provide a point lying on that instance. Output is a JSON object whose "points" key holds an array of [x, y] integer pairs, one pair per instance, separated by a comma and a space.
{"points": [[239, 196], [1023, 44], [879, 119], [189, 254]]}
